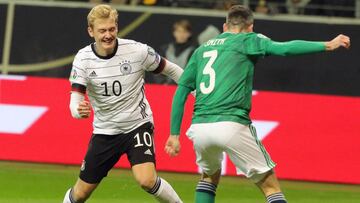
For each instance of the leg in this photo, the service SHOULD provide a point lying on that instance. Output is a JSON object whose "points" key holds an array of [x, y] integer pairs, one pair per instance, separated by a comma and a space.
{"points": [[145, 175], [251, 158], [208, 145], [206, 188], [99, 159], [269, 184], [142, 160], [80, 192], [270, 187]]}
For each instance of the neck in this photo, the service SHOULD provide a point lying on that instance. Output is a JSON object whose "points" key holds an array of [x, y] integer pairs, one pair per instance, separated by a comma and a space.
{"points": [[103, 52], [237, 28], [237, 31]]}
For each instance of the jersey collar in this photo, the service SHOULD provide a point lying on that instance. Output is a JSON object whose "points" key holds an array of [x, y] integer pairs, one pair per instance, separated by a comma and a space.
{"points": [[107, 56]]}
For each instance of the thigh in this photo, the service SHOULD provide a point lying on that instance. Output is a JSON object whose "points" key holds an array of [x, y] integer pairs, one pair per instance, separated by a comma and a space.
{"points": [[247, 152], [103, 153], [208, 146], [141, 145]]}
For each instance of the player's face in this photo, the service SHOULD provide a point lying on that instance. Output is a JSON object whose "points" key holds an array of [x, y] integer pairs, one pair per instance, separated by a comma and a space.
{"points": [[104, 33], [181, 35]]}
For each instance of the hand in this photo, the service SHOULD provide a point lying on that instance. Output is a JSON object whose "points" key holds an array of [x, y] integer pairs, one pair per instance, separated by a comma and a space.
{"points": [[172, 146], [84, 109], [339, 41]]}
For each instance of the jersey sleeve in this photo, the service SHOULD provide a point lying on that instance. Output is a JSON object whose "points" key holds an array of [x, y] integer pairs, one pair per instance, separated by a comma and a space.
{"points": [[78, 72], [151, 59], [177, 109], [295, 47], [188, 77], [260, 45]]}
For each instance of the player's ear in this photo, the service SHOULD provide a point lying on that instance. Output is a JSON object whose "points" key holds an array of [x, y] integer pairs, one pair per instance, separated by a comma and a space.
{"points": [[90, 31], [250, 28], [225, 27], [117, 27]]}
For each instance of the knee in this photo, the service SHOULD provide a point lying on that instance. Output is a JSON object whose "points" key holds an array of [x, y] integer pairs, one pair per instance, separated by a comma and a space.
{"points": [[214, 178], [146, 183]]}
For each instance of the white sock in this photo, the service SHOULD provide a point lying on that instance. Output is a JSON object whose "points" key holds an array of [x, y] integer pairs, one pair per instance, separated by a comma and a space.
{"points": [[68, 198], [164, 193]]}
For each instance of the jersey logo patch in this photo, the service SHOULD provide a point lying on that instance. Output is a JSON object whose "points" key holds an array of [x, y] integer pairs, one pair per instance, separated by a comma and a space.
{"points": [[125, 67], [74, 74], [93, 74], [151, 51], [148, 152]]}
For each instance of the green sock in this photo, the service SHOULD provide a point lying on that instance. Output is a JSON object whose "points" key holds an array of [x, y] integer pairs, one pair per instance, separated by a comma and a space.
{"points": [[205, 192], [204, 197]]}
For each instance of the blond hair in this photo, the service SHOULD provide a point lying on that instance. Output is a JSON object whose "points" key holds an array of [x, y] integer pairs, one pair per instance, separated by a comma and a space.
{"points": [[101, 11]]}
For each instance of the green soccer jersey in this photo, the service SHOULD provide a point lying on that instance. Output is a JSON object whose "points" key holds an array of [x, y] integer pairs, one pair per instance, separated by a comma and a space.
{"points": [[221, 71]]}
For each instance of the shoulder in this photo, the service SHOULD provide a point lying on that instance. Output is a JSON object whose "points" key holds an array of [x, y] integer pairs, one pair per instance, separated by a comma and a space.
{"points": [[123, 42], [262, 36], [257, 36], [129, 43], [84, 52], [132, 45], [85, 49]]}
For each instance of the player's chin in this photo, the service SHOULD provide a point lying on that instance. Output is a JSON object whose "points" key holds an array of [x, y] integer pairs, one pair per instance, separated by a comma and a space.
{"points": [[108, 44]]}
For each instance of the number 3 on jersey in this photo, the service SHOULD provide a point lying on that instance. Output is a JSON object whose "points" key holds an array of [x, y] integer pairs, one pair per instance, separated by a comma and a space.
{"points": [[208, 70]]}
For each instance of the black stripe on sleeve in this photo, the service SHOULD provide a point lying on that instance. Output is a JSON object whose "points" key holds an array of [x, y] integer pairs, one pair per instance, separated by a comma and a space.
{"points": [[78, 88], [161, 66]]}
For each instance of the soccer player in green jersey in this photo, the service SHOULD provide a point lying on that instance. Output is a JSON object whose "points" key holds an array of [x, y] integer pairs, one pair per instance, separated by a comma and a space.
{"points": [[221, 71]]}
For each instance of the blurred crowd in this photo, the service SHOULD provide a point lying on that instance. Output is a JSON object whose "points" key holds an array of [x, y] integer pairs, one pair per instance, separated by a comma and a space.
{"points": [[185, 41], [340, 8]]}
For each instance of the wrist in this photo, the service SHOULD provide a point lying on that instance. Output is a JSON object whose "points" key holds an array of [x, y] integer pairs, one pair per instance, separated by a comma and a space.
{"points": [[328, 46]]}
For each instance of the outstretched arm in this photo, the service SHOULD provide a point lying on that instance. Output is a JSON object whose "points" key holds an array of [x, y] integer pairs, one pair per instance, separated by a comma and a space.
{"points": [[172, 146], [298, 47]]}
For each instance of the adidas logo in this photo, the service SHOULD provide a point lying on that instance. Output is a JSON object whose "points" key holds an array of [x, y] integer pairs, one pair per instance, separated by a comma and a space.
{"points": [[93, 74], [148, 152]]}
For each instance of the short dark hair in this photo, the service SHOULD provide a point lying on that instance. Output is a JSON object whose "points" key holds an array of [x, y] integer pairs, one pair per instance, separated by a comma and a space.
{"points": [[239, 16], [184, 24]]}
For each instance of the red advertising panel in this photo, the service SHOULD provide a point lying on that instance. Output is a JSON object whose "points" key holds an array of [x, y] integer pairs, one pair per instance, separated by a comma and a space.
{"points": [[310, 137]]}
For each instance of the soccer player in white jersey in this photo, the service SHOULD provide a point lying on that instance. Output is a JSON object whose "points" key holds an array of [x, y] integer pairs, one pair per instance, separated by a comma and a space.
{"points": [[111, 72]]}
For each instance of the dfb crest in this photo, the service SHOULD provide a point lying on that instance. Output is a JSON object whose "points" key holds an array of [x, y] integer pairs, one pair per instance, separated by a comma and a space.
{"points": [[125, 67]]}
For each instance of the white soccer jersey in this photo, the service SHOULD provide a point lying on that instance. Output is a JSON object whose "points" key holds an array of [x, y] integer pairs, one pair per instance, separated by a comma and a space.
{"points": [[115, 85]]}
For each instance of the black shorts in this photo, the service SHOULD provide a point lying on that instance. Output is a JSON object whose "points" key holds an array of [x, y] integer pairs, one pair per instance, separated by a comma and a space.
{"points": [[104, 152]]}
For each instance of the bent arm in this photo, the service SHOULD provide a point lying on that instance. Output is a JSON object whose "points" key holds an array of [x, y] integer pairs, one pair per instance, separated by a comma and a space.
{"points": [[177, 110], [79, 108], [75, 99], [172, 70]]}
